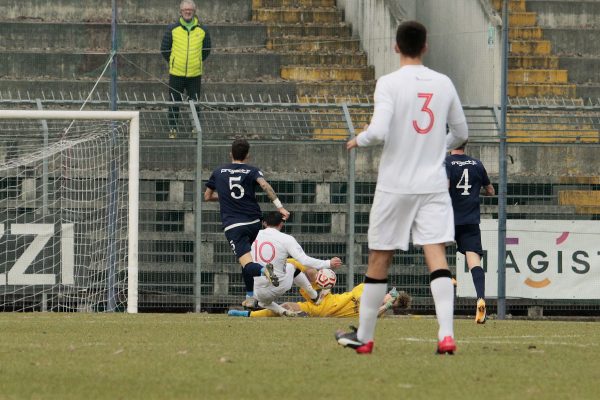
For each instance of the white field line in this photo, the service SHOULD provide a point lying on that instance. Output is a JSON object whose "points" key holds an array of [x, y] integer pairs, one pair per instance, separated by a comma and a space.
{"points": [[514, 340]]}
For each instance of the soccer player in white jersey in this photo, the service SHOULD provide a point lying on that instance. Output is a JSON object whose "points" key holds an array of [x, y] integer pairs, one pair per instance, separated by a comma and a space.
{"points": [[412, 107], [274, 247]]}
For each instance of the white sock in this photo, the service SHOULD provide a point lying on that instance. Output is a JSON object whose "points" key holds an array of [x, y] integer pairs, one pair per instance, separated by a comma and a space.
{"points": [[302, 281], [443, 296], [273, 307], [370, 301]]}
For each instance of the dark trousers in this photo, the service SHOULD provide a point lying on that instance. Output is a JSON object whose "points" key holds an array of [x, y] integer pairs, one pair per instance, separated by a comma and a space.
{"points": [[177, 85]]}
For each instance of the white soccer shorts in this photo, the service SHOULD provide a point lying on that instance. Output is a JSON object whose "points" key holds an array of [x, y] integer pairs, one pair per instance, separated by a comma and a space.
{"points": [[395, 217], [266, 293]]}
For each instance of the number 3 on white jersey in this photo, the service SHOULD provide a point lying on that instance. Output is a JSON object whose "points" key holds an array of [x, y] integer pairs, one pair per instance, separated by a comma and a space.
{"points": [[428, 111], [463, 183], [237, 186]]}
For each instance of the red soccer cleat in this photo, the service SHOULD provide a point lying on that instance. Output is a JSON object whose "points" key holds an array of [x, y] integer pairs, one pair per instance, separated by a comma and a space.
{"points": [[446, 346], [349, 339]]}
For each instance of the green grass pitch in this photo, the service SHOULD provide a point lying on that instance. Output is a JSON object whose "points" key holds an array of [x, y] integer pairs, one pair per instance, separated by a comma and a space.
{"points": [[193, 356]]}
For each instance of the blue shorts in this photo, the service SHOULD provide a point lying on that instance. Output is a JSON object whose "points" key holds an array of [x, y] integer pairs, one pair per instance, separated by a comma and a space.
{"points": [[468, 238], [241, 238]]}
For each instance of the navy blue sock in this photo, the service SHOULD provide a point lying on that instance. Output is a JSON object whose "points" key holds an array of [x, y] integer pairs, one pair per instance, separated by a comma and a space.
{"points": [[249, 271], [479, 281]]}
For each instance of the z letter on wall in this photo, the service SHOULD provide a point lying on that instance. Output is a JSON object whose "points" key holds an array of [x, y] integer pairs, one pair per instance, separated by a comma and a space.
{"points": [[42, 233]]}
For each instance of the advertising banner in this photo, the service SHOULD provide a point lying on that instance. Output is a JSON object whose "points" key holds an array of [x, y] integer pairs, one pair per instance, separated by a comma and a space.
{"points": [[544, 260]]}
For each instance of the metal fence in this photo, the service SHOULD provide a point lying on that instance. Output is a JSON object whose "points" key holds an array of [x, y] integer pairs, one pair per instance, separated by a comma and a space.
{"points": [[186, 263]]}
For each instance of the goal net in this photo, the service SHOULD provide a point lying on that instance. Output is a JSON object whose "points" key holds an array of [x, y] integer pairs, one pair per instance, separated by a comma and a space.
{"points": [[68, 215]]}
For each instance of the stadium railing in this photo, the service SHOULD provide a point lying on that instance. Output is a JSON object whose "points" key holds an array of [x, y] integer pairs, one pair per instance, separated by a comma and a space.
{"points": [[185, 263]]}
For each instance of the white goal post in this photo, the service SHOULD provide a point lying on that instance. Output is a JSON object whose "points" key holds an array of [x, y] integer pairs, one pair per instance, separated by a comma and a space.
{"points": [[70, 200]]}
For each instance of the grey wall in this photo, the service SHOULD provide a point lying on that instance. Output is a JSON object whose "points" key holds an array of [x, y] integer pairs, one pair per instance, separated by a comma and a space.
{"points": [[375, 21], [458, 40]]}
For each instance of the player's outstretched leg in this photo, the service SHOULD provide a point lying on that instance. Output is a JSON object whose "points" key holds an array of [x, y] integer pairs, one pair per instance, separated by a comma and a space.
{"points": [[238, 313], [350, 339]]}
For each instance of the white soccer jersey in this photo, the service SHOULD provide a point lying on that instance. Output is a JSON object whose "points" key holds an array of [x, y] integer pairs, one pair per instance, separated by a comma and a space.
{"points": [[275, 247], [412, 107]]}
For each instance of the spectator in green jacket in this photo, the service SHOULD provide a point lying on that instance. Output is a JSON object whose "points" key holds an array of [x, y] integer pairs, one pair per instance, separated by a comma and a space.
{"points": [[185, 45]]}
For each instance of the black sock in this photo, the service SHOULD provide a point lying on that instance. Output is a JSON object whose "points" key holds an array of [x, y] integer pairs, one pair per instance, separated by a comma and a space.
{"points": [[479, 281], [249, 271]]}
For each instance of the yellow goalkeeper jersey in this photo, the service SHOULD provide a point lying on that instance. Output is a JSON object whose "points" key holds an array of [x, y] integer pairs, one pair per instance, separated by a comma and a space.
{"points": [[335, 305]]}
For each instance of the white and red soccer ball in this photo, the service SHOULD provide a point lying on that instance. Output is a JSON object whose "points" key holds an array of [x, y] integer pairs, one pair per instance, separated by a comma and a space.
{"points": [[326, 278]]}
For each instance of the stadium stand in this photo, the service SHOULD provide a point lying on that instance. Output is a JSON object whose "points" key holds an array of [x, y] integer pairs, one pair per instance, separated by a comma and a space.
{"points": [[297, 50]]}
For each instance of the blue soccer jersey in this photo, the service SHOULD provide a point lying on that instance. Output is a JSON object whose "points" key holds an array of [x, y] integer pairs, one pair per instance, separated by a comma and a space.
{"points": [[467, 176], [235, 184]]}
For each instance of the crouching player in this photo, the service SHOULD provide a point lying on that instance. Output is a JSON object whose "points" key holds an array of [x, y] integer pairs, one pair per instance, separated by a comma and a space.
{"points": [[332, 305]]}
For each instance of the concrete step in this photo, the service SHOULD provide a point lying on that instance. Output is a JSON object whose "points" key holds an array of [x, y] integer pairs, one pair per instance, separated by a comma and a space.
{"points": [[548, 121], [540, 90], [582, 70], [579, 197], [580, 180], [306, 30], [557, 135], [574, 41], [530, 47], [543, 102], [554, 130], [357, 59], [327, 73], [129, 10], [548, 137], [297, 15], [525, 33], [533, 62], [589, 91], [292, 3], [135, 66], [513, 5], [522, 19], [78, 89], [96, 36], [362, 89], [314, 44], [551, 76], [570, 13]]}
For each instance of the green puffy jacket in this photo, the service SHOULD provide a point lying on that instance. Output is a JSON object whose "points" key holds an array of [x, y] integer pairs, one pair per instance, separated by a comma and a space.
{"points": [[185, 50]]}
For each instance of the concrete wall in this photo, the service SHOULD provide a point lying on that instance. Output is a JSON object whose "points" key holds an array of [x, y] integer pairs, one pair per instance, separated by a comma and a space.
{"points": [[375, 22], [129, 10], [458, 40]]}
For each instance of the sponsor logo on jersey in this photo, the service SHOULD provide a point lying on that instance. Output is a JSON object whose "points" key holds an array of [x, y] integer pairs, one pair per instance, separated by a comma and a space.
{"points": [[235, 171], [463, 163]]}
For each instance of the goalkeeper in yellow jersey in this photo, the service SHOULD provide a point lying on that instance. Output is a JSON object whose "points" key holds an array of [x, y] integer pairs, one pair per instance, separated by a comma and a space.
{"points": [[333, 305]]}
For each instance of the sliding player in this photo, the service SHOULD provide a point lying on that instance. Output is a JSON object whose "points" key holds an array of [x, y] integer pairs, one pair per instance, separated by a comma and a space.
{"points": [[271, 250], [333, 305]]}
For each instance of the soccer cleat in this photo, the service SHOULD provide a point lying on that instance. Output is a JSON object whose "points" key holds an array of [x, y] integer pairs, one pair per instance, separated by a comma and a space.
{"points": [[321, 293], [350, 339], [290, 313], [480, 315], [238, 313], [250, 302], [172, 133], [446, 346], [270, 274]]}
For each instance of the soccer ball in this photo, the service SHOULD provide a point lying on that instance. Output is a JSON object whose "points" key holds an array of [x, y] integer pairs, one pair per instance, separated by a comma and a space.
{"points": [[326, 278]]}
